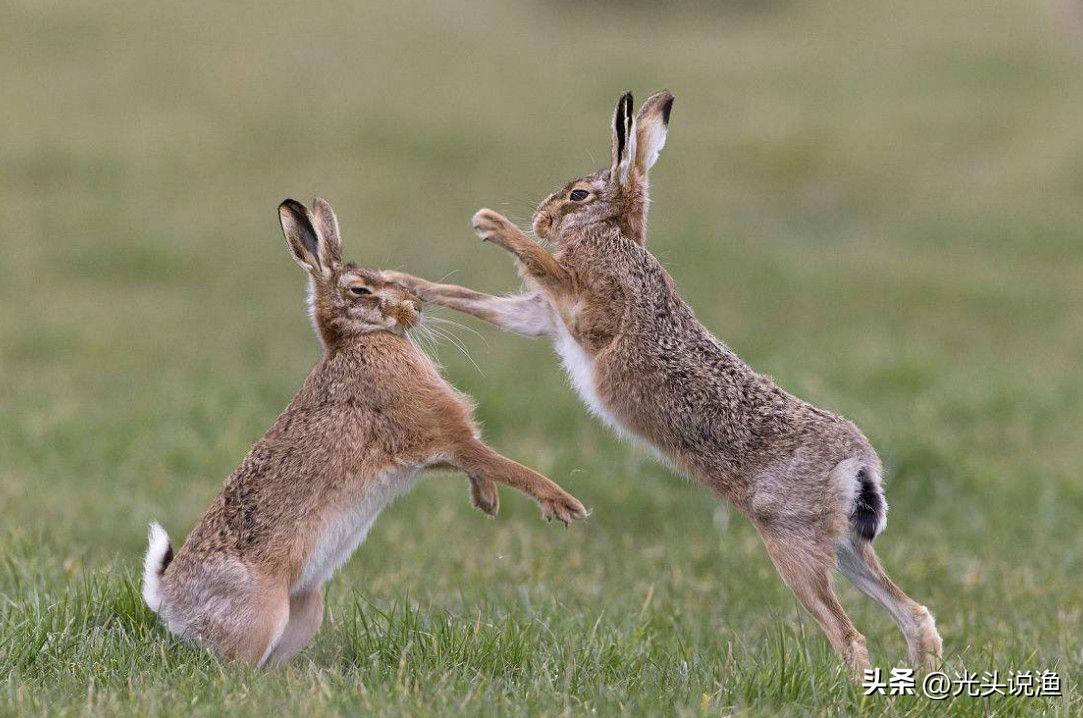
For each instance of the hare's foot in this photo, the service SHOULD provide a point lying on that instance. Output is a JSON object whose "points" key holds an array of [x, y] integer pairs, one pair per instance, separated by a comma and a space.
{"points": [[563, 507], [482, 464], [484, 495], [923, 641]]}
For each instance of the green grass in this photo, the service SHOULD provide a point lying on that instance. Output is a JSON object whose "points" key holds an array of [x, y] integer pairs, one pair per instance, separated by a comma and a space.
{"points": [[877, 204]]}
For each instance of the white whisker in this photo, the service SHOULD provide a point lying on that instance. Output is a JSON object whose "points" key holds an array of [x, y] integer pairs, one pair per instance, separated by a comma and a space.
{"points": [[457, 343], [452, 322], [428, 337], [422, 336]]}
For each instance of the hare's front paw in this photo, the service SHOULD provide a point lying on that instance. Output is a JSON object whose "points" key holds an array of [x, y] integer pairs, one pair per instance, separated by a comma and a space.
{"points": [[484, 496], [563, 507], [493, 227]]}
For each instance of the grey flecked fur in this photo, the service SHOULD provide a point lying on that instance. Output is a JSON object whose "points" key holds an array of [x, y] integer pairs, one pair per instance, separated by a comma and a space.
{"points": [[808, 479]]}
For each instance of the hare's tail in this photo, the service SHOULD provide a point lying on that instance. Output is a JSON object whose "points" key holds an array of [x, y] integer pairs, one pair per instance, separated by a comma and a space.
{"points": [[869, 515], [159, 555]]}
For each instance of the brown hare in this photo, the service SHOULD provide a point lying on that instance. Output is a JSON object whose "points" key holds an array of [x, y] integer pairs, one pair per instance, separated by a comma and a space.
{"points": [[806, 478], [372, 415]]}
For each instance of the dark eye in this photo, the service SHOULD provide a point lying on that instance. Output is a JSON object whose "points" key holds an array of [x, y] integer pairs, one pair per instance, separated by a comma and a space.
{"points": [[578, 195], [360, 291]]}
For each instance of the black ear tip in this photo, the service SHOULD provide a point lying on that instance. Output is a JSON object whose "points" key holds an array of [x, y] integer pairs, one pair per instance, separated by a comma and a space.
{"points": [[292, 206], [667, 107]]}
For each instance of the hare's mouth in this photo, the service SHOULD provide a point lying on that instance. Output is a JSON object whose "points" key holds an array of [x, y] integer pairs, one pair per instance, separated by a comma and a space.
{"points": [[407, 316]]}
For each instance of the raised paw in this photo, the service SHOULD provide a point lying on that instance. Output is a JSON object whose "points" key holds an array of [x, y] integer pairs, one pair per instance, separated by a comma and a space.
{"points": [[494, 227], [563, 507], [484, 496]]}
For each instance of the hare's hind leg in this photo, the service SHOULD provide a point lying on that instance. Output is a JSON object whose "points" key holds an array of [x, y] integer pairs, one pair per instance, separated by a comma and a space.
{"points": [[305, 618], [227, 607], [248, 624], [858, 561], [806, 567]]}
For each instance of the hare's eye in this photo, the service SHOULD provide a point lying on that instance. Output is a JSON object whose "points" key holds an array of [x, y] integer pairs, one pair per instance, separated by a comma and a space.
{"points": [[360, 291], [578, 195]]}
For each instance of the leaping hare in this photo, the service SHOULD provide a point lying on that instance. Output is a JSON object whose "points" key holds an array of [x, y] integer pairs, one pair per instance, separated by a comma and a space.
{"points": [[372, 415], [806, 478]]}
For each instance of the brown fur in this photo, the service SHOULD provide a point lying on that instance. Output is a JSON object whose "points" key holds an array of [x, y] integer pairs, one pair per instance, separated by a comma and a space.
{"points": [[373, 414], [653, 371]]}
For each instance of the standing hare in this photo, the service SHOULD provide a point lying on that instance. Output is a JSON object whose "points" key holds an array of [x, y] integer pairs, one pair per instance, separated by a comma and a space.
{"points": [[807, 479], [371, 416]]}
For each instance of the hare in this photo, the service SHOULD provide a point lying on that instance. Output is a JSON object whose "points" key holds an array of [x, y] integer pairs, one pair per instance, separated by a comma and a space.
{"points": [[806, 478], [372, 415]]}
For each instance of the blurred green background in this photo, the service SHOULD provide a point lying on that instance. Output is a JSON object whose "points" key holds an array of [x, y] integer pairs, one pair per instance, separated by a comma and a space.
{"points": [[877, 203]]}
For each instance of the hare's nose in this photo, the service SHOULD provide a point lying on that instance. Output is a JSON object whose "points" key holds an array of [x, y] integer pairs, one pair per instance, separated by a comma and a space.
{"points": [[411, 305]]}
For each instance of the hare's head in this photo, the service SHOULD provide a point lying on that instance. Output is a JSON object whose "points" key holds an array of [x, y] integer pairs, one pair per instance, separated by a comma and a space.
{"points": [[618, 194], [344, 300]]}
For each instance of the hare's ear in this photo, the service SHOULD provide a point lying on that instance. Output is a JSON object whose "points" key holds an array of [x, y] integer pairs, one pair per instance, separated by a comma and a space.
{"points": [[326, 224], [300, 235], [652, 125], [624, 139]]}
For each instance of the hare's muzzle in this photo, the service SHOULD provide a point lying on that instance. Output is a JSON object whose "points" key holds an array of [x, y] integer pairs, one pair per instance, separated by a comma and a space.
{"points": [[408, 312]]}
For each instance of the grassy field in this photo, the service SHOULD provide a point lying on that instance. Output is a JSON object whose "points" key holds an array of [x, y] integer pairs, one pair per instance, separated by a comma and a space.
{"points": [[878, 204]]}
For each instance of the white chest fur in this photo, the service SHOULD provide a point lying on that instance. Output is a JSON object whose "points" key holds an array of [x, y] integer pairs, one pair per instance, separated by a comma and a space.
{"points": [[579, 365], [580, 368], [344, 531]]}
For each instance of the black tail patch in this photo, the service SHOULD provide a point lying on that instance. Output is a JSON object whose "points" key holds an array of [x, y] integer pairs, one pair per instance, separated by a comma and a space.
{"points": [[868, 507], [167, 559]]}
